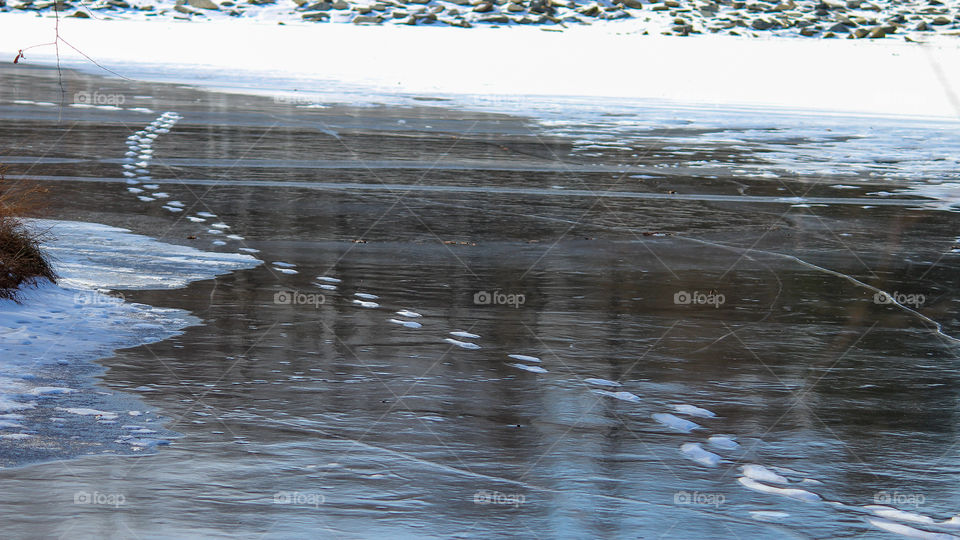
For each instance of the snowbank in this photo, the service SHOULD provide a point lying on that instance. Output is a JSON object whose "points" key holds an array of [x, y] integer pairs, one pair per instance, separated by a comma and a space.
{"points": [[604, 60], [48, 341]]}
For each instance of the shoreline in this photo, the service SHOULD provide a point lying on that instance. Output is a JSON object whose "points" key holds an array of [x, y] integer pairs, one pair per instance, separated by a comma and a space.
{"points": [[822, 76]]}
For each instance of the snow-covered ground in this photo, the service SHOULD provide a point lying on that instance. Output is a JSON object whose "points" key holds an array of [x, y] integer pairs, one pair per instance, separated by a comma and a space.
{"points": [[311, 63], [48, 340]]}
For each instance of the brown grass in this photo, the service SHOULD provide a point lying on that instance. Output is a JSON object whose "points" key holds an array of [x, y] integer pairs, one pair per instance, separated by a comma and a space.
{"points": [[22, 262]]}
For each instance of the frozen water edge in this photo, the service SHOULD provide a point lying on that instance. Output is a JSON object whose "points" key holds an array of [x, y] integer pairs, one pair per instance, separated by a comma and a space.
{"points": [[48, 342]]}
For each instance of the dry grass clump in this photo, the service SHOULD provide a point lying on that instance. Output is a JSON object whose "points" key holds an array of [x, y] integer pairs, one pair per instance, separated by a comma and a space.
{"points": [[22, 262]]}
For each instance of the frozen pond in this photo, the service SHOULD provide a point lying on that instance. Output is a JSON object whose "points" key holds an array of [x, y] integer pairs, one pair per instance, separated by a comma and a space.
{"points": [[599, 320]]}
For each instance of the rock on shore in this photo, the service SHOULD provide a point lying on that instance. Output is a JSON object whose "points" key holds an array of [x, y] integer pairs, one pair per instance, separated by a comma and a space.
{"points": [[852, 19]]}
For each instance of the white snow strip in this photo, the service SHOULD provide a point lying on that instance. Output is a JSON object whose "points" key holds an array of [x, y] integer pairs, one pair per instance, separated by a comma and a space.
{"points": [[909, 532], [889, 512], [838, 75]]}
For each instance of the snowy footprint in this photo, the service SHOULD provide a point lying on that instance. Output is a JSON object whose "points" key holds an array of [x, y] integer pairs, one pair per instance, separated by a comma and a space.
{"points": [[693, 410], [602, 382], [407, 324], [723, 442], [527, 367], [279, 266], [696, 452], [763, 474], [793, 493], [675, 422], [461, 344], [623, 396]]}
